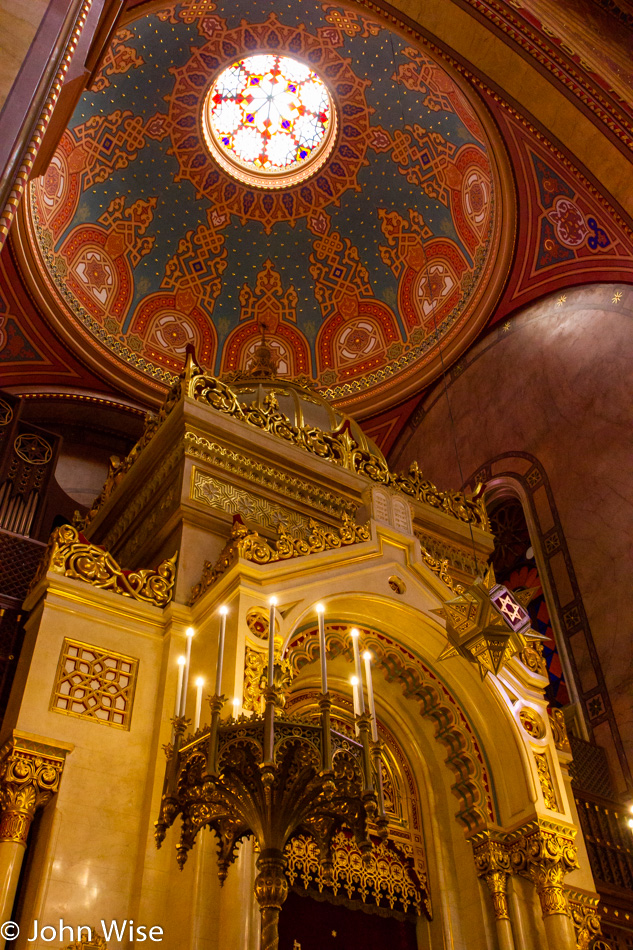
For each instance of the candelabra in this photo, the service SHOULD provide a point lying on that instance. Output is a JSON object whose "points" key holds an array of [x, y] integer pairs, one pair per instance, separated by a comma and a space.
{"points": [[272, 776]]}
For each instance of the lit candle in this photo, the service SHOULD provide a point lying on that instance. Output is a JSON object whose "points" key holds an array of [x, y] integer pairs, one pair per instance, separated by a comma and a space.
{"points": [[183, 702], [354, 682], [359, 673], [199, 685], [320, 609], [218, 669], [370, 695], [181, 673], [237, 707], [271, 642]]}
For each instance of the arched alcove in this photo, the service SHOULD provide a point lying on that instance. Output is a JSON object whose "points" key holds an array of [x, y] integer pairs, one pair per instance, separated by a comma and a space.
{"points": [[562, 431]]}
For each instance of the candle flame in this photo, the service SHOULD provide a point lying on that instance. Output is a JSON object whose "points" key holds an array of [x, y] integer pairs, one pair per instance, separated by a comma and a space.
{"points": [[273, 601], [236, 701], [367, 655], [190, 632], [320, 608], [354, 680], [200, 682], [181, 661], [353, 632], [224, 610]]}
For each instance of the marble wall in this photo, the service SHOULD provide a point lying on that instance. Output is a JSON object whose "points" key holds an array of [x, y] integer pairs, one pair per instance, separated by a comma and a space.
{"points": [[553, 385]]}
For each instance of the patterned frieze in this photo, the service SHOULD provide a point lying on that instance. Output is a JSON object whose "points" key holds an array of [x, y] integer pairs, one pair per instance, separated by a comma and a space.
{"points": [[272, 478], [222, 496]]}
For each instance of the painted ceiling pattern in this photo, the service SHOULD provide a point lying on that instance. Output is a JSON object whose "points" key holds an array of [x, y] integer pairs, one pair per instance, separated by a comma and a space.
{"points": [[356, 274]]}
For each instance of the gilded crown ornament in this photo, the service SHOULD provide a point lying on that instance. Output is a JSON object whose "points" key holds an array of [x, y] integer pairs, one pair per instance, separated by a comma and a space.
{"points": [[487, 624]]}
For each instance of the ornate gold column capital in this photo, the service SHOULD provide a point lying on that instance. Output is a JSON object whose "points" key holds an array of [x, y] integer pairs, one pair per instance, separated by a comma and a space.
{"points": [[492, 861], [30, 773], [545, 851]]}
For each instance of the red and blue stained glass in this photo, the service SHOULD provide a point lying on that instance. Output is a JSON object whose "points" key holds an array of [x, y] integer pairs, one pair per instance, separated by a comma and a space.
{"points": [[270, 113]]}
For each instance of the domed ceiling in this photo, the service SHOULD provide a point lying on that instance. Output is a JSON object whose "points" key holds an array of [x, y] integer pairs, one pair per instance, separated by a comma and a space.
{"points": [[366, 273]]}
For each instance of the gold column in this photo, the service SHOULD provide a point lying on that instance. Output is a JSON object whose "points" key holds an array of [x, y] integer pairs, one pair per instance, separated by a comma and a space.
{"points": [[29, 776], [492, 861], [545, 851]]}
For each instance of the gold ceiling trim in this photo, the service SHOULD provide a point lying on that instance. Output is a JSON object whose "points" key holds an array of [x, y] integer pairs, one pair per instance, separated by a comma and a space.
{"points": [[70, 554], [247, 544]]}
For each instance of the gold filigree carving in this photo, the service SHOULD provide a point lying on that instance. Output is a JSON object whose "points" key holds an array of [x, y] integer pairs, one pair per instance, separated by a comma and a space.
{"points": [[70, 554], [492, 861], [583, 908], [383, 877], [29, 776], [532, 657], [95, 684], [259, 473], [459, 559], [232, 500], [338, 446], [255, 667], [559, 730], [532, 723], [440, 568], [545, 851], [247, 544], [545, 778]]}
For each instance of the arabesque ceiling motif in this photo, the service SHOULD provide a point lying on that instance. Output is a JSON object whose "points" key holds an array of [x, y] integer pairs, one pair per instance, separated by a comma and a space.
{"points": [[358, 275]]}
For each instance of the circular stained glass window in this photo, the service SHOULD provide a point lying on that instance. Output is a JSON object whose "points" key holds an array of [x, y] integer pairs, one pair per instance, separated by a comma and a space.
{"points": [[269, 121]]}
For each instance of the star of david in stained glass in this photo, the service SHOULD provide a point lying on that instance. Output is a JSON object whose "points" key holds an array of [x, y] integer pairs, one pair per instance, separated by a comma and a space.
{"points": [[269, 120]]}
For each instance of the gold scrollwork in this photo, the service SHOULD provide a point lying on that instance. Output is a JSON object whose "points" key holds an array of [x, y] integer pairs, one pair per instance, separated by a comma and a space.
{"points": [[532, 723], [545, 778], [559, 730], [440, 568], [338, 446], [29, 777], [251, 546], [70, 554], [583, 908]]}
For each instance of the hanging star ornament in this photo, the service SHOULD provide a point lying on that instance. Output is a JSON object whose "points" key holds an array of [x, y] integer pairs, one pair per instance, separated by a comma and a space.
{"points": [[487, 624]]}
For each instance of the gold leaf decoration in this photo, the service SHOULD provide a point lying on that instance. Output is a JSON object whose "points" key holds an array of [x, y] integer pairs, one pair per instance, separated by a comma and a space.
{"points": [[72, 555]]}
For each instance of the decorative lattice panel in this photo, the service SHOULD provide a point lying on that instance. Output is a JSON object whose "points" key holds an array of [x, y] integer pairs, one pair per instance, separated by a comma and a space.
{"points": [[19, 558], [590, 769], [95, 684]]}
